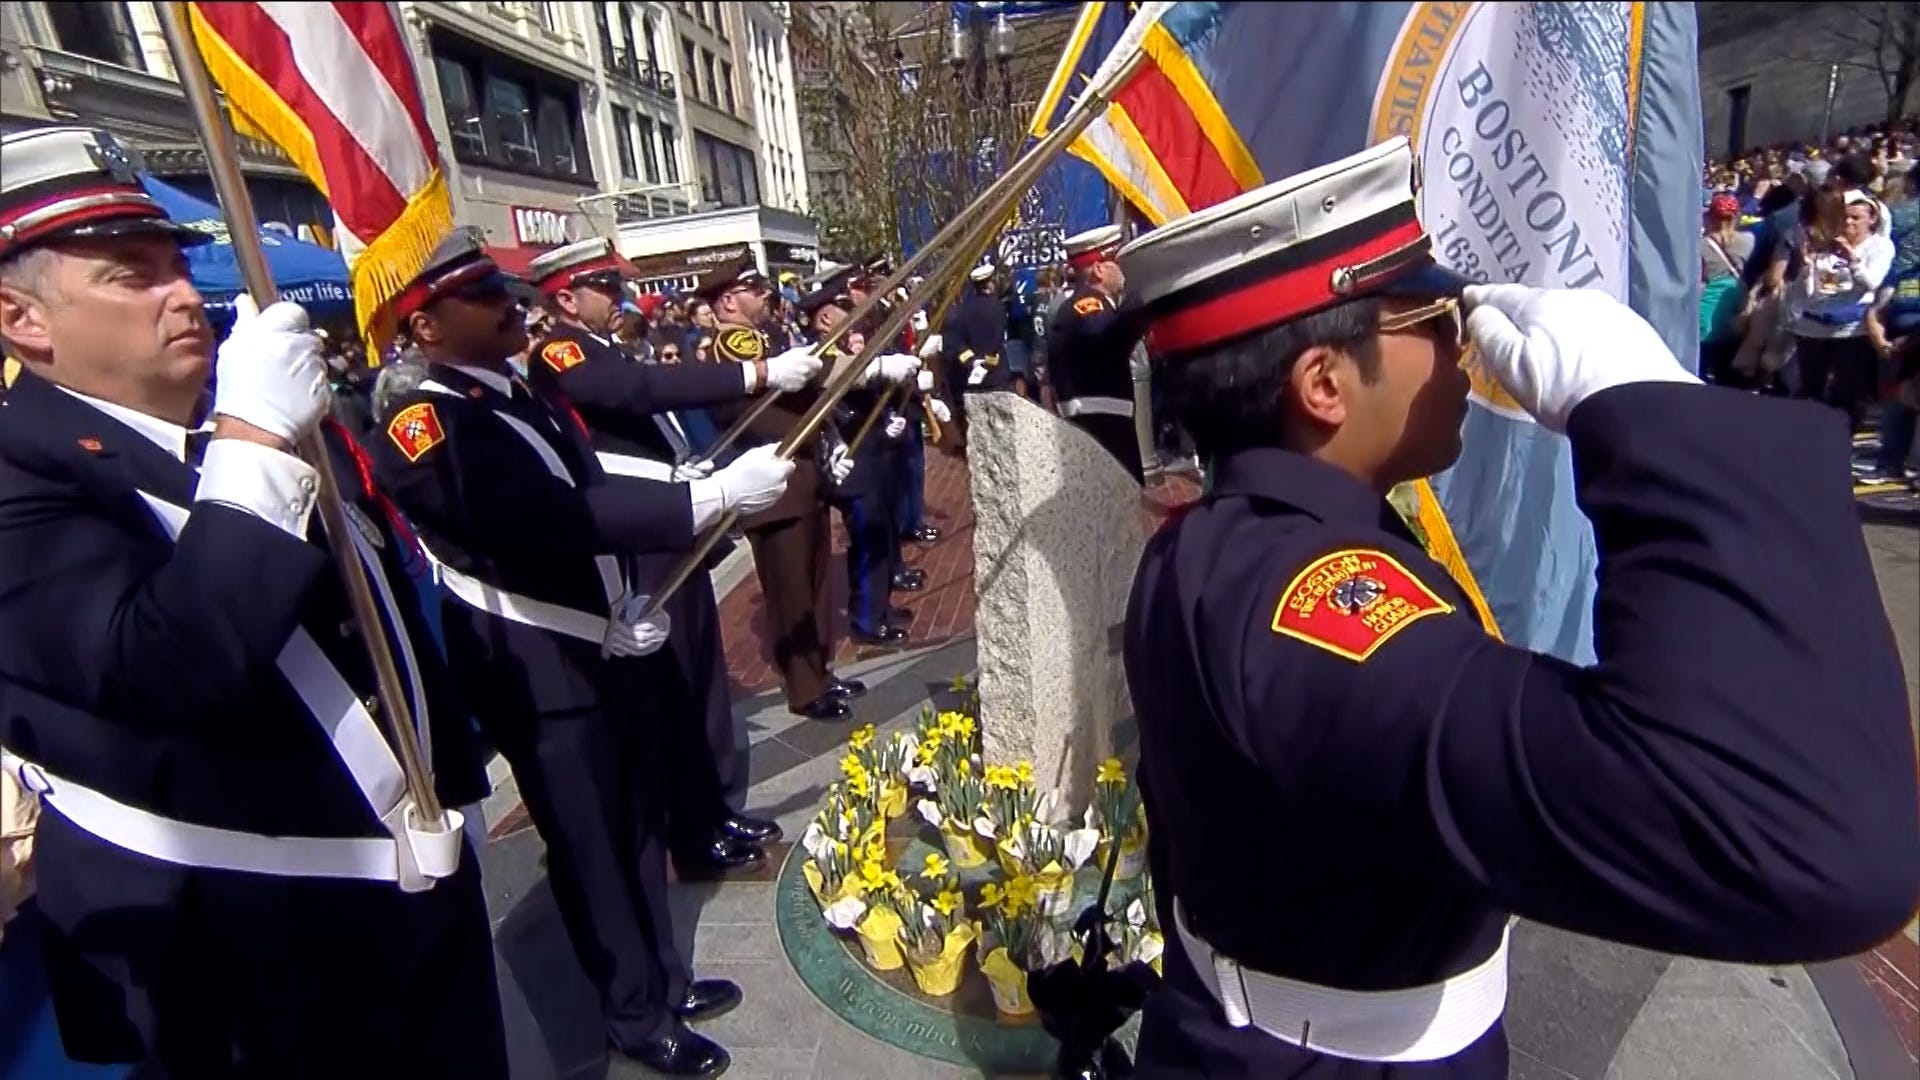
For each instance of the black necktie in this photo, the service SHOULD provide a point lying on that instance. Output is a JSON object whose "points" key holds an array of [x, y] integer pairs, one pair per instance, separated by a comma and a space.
{"points": [[197, 447]]}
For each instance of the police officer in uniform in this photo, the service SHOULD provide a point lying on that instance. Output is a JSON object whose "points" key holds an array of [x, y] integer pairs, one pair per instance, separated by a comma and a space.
{"points": [[530, 536], [1350, 784], [974, 341], [1090, 345], [792, 539], [628, 408], [183, 684]]}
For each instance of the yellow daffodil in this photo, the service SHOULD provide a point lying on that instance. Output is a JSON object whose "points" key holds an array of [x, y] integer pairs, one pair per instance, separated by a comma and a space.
{"points": [[999, 776], [965, 768], [991, 897], [850, 767], [860, 785], [1022, 891], [936, 867], [861, 738], [959, 682], [946, 903], [962, 726], [1110, 772], [1023, 772]]}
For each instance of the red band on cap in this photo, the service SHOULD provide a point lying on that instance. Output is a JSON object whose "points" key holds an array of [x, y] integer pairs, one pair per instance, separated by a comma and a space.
{"points": [[1269, 301], [564, 278], [1091, 256], [125, 209], [421, 293]]}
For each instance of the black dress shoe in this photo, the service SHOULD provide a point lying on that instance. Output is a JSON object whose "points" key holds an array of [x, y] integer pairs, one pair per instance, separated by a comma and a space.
{"points": [[888, 637], [706, 999], [910, 581], [846, 689], [680, 1053], [925, 534], [751, 829], [726, 855], [827, 706]]}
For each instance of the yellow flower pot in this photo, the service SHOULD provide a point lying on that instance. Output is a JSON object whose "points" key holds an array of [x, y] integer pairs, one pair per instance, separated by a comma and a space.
{"points": [[1008, 983], [963, 849], [1133, 857], [1055, 887], [939, 976], [893, 800], [880, 939]]}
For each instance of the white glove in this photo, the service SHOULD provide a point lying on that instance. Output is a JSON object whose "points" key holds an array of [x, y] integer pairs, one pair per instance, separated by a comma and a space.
{"points": [[839, 463], [268, 372], [630, 635], [918, 320], [893, 367], [1554, 348], [924, 381], [792, 369], [939, 410], [754, 481], [930, 348], [896, 425], [977, 374], [688, 471]]}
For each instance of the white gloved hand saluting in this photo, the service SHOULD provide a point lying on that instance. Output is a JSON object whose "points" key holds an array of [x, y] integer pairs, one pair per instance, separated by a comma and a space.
{"points": [[793, 369], [630, 635], [896, 425], [1554, 348], [268, 373], [893, 367], [939, 410], [688, 471], [754, 481]]}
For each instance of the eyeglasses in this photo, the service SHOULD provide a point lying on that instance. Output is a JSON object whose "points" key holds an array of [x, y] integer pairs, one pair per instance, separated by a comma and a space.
{"points": [[1448, 309], [669, 354]]}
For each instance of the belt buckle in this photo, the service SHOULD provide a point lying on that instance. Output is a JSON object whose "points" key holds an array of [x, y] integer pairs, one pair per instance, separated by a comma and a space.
{"points": [[1232, 983]]}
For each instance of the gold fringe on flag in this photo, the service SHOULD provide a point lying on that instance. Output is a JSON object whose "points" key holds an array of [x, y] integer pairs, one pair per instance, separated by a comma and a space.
{"points": [[394, 258], [1445, 549]]}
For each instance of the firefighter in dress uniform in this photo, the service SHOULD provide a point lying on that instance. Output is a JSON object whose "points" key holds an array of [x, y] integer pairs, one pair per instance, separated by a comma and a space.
{"points": [[861, 488], [791, 540], [531, 540], [182, 682], [908, 475], [1350, 784], [628, 408], [973, 343], [1090, 348]]}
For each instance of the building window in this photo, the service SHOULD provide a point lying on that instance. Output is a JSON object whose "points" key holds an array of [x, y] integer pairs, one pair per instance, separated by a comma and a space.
{"points": [[646, 150], [693, 64], [464, 122], [726, 87], [713, 82], [509, 116], [549, 18], [623, 142], [670, 151], [101, 31]]}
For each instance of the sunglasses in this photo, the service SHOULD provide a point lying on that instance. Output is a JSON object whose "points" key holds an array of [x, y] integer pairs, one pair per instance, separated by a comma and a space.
{"points": [[669, 354], [1453, 331], [481, 289]]}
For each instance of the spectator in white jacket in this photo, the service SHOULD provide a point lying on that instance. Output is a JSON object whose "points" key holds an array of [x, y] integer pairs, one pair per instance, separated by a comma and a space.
{"points": [[1844, 254]]}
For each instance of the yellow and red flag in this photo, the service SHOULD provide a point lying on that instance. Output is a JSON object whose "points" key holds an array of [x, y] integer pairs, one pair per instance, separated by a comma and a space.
{"points": [[333, 85]]}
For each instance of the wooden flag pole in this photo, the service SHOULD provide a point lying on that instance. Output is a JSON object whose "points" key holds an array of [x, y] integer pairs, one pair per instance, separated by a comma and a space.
{"points": [[244, 228]]}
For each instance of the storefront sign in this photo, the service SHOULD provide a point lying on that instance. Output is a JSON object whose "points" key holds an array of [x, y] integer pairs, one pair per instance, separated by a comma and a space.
{"points": [[792, 254], [537, 226]]}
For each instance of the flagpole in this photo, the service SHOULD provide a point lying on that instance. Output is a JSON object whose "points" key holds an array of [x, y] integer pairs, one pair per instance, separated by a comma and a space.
{"points": [[244, 228]]}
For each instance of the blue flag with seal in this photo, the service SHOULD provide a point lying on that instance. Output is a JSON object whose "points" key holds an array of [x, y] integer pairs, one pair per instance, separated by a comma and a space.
{"points": [[1561, 145]]}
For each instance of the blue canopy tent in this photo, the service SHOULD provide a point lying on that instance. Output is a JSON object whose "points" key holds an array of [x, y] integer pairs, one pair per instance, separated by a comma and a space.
{"points": [[308, 274]]}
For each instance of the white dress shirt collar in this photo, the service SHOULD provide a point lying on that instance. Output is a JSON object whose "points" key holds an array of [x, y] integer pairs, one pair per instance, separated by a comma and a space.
{"points": [[488, 376], [164, 434]]}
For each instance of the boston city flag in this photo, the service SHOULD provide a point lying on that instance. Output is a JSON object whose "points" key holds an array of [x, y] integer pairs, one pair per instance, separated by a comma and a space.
{"points": [[333, 85], [1560, 145]]}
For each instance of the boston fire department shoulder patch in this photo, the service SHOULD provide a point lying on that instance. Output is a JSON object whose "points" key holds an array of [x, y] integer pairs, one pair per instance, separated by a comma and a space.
{"points": [[1087, 305], [415, 430], [1351, 602], [561, 355]]}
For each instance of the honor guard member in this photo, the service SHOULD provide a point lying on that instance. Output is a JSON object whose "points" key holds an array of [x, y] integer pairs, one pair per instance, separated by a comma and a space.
{"points": [[529, 537], [628, 408], [1090, 348], [860, 487], [232, 879], [974, 339], [791, 540], [1351, 785]]}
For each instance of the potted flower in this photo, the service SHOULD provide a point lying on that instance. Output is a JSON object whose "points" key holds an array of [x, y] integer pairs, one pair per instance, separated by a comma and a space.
{"points": [[1117, 812], [1140, 937], [1010, 934], [1049, 855], [843, 828], [879, 926], [934, 932], [884, 763], [956, 808]]}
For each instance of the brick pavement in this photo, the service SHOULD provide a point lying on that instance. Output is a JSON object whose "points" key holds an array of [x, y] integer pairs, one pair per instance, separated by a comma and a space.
{"points": [[1893, 972], [942, 611]]}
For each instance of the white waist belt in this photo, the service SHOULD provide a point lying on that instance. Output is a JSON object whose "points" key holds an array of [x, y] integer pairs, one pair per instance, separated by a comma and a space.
{"points": [[1095, 406], [1420, 1023], [525, 610], [187, 844]]}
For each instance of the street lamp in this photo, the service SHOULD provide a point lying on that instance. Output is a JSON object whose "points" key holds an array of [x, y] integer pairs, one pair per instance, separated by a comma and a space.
{"points": [[973, 41]]}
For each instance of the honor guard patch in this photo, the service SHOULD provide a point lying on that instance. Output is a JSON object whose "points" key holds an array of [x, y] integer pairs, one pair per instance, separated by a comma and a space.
{"points": [[1087, 305], [561, 355], [1351, 602], [741, 343], [416, 430]]}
